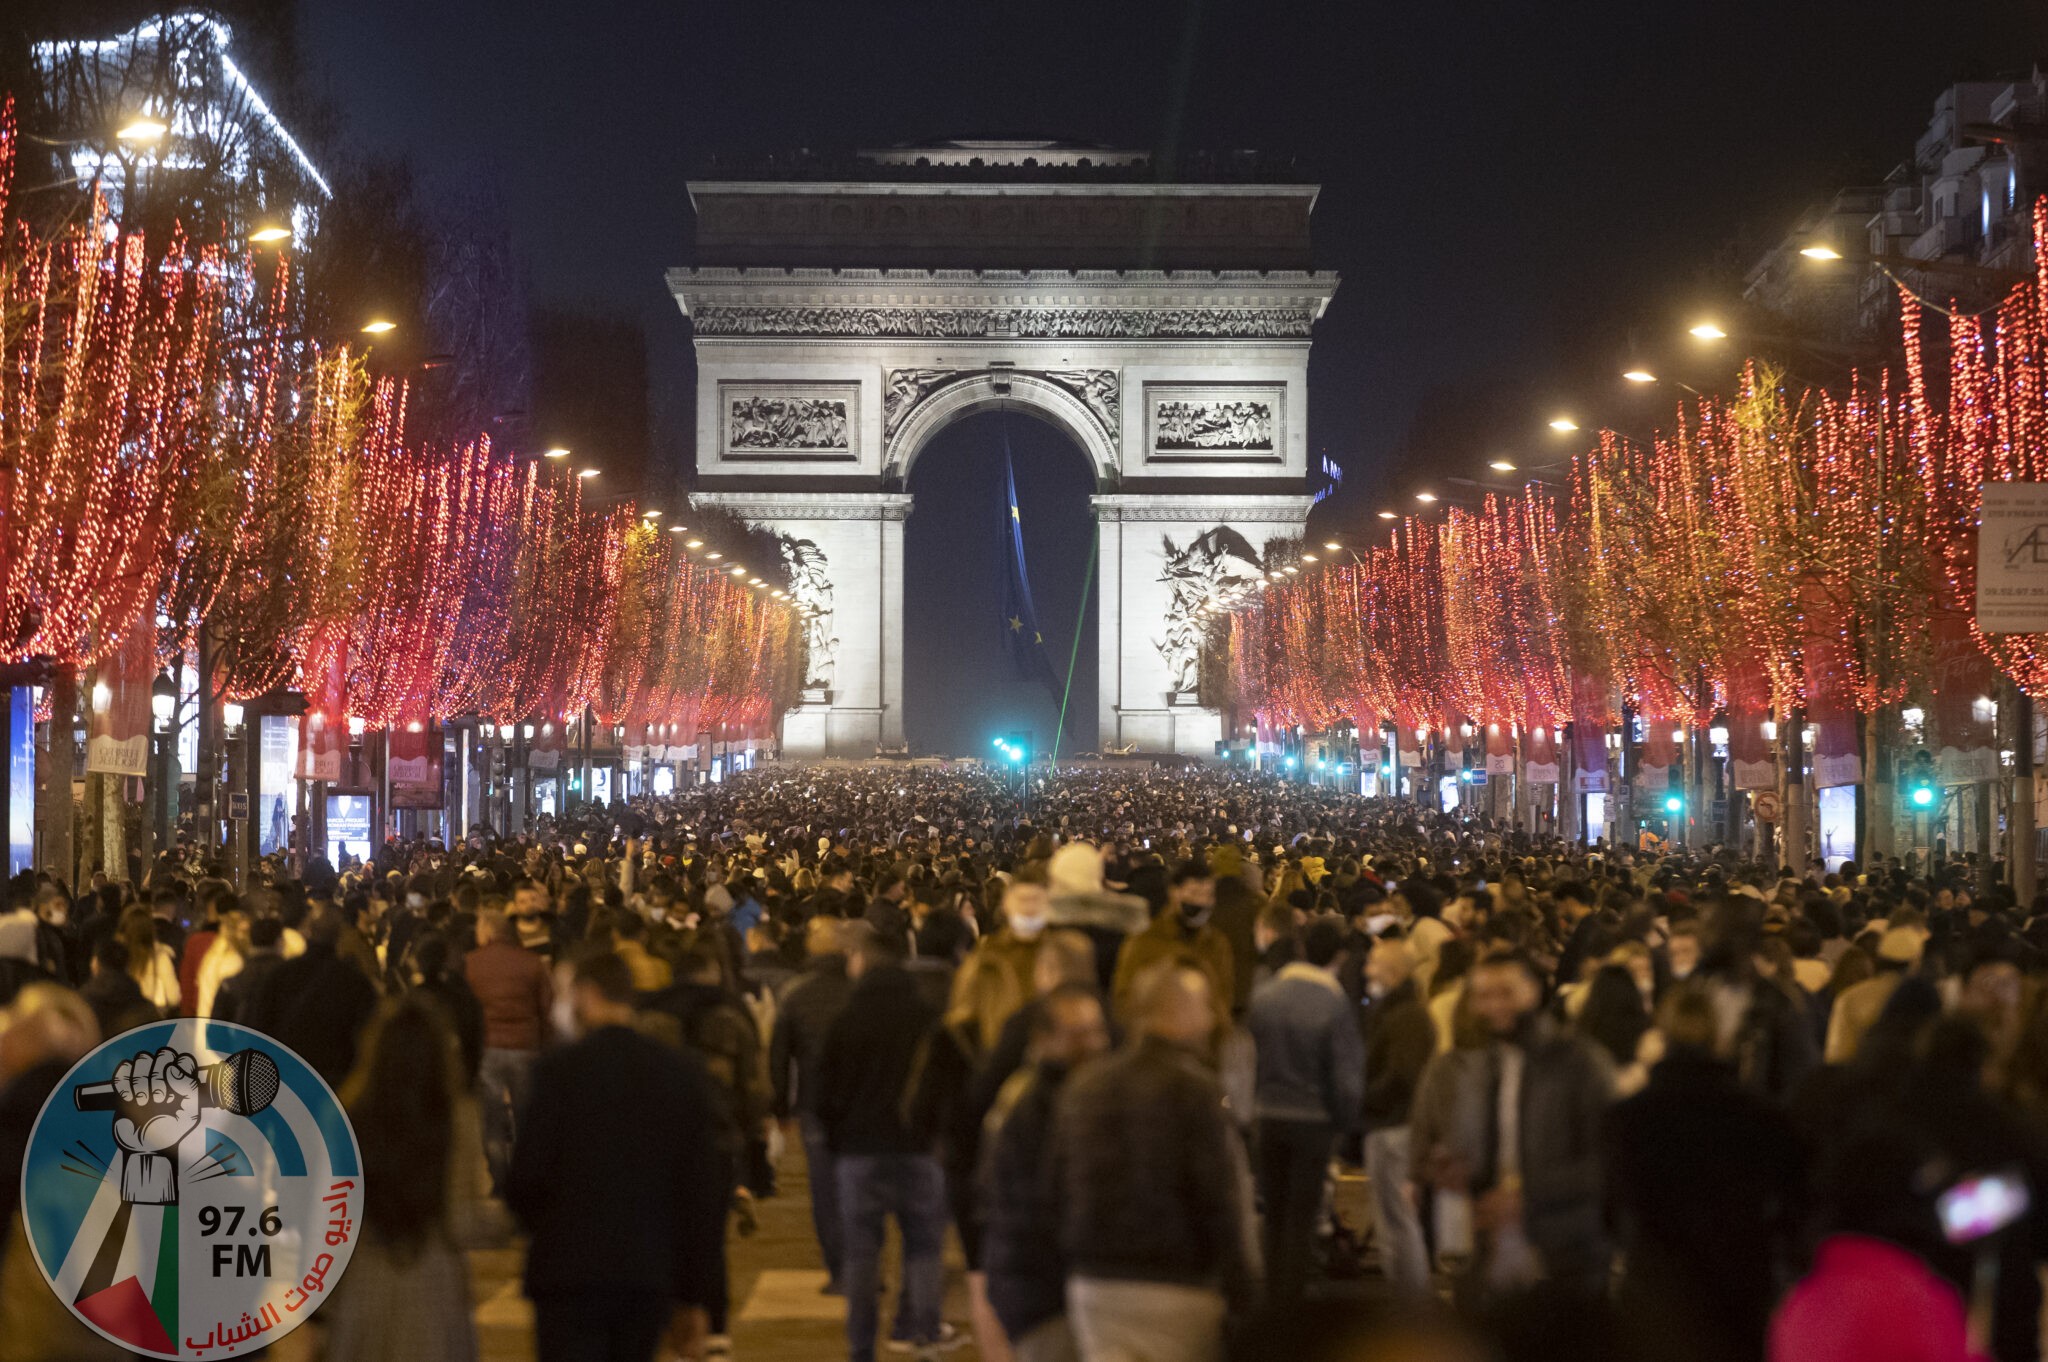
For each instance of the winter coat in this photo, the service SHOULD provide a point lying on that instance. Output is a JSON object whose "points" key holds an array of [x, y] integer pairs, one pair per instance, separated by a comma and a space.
{"points": [[871, 1075], [1311, 1060], [1168, 939], [1107, 920], [1400, 1039], [1148, 1173]]}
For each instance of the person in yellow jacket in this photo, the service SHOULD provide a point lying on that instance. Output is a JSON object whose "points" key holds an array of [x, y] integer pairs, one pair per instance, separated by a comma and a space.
{"points": [[1182, 931]]}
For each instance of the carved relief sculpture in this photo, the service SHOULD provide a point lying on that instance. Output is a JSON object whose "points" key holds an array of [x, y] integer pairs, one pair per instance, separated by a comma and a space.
{"points": [[1099, 390], [904, 390], [804, 423], [1079, 323], [1196, 426], [1218, 567], [811, 588]]}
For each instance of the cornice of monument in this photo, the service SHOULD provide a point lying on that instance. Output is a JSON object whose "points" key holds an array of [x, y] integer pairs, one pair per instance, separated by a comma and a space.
{"points": [[730, 301], [1251, 508], [815, 505]]}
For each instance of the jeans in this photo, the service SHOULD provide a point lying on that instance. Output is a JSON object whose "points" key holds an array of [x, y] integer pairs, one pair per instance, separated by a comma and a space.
{"points": [[1294, 1164], [910, 1187], [616, 1328], [506, 1078], [825, 1217], [1119, 1321], [1403, 1256]]}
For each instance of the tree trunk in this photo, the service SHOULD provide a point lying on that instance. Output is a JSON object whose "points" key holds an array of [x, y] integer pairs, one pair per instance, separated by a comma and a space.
{"points": [[113, 828], [1880, 789], [2020, 809]]}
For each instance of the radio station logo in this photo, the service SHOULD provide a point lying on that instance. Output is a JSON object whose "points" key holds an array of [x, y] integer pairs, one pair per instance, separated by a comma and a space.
{"points": [[192, 1189]]}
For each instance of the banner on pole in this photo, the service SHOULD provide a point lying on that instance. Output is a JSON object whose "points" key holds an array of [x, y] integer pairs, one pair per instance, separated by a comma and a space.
{"points": [[415, 761], [1500, 750], [117, 726]]}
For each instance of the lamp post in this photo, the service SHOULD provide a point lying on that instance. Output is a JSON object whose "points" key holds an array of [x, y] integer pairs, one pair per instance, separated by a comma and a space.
{"points": [[163, 708]]}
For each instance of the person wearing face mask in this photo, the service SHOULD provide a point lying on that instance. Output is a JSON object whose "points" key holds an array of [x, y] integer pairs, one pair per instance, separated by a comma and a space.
{"points": [[1182, 932], [1027, 907]]}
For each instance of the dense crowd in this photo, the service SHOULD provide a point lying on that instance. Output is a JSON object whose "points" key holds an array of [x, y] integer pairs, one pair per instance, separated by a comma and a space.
{"points": [[1124, 1042]]}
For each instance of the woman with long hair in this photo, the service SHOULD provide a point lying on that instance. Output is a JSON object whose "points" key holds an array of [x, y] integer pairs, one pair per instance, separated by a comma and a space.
{"points": [[406, 1293], [150, 962]]}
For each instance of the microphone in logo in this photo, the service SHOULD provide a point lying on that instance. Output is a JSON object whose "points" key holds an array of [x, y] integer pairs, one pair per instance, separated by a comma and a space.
{"points": [[241, 1084]]}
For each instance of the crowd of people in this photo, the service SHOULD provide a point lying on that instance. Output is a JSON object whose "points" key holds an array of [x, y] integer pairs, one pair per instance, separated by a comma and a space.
{"points": [[1113, 1044]]}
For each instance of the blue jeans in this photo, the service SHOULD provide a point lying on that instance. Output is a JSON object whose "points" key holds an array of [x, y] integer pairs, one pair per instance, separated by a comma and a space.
{"points": [[506, 1077], [911, 1187], [825, 1218]]}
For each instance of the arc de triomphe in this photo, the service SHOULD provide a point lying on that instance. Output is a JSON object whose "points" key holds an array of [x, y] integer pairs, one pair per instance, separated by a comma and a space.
{"points": [[1164, 328]]}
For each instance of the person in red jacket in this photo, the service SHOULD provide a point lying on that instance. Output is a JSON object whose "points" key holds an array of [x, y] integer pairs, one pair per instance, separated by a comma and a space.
{"points": [[512, 986]]}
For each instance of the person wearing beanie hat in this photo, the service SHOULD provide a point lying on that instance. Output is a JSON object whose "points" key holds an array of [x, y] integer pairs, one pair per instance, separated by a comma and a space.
{"points": [[1080, 901]]}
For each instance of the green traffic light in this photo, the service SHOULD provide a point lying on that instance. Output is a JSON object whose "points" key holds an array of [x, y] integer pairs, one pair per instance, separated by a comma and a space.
{"points": [[1674, 804], [1923, 796]]}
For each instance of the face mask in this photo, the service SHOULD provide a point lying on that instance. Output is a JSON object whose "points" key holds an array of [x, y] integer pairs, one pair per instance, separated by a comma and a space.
{"points": [[1025, 927]]}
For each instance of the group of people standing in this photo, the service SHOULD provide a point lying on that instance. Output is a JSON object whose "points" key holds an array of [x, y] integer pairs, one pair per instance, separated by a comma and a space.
{"points": [[1130, 1055]]}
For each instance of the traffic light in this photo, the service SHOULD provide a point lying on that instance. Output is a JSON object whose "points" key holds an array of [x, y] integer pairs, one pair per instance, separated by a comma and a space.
{"points": [[1017, 747], [1674, 793], [1922, 794]]}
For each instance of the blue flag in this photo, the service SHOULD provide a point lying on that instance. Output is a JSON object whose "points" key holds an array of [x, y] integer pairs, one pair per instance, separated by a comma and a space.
{"points": [[1022, 638]]}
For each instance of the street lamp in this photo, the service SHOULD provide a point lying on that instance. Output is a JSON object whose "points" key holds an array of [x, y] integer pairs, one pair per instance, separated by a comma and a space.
{"points": [[144, 129], [263, 236], [587, 473], [1707, 331], [1639, 376], [1425, 498], [1501, 466], [558, 452], [1389, 515], [163, 704], [1563, 424], [378, 327]]}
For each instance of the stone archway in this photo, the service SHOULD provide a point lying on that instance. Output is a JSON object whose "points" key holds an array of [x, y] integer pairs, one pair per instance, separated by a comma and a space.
{"points": [[1171, 345], [1082, 404]]}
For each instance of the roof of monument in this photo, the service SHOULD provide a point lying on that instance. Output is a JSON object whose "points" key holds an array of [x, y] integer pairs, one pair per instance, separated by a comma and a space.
{"points": [[1009, 161]]}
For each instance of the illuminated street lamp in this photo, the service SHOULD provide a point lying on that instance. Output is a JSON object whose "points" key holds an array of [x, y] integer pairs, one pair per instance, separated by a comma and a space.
{"points": [[142, 130], [1388, 515], [587, 473], [1425, 498], [1639, 376], [379, 327], [1707, 331], [1563, 424], [558, 452], [265, 235], [1501, 466]]}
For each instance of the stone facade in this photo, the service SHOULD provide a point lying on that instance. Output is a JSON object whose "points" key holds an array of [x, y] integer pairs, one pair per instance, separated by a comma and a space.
{"points": [[818, 389]]}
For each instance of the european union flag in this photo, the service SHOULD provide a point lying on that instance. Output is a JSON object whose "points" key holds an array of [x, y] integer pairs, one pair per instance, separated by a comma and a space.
{"points": [[1021, 635]]}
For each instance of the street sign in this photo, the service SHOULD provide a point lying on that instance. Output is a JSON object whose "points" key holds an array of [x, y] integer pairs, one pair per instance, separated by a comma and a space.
{"points": [[1767, 805], [2012, 558], [238, 804]]}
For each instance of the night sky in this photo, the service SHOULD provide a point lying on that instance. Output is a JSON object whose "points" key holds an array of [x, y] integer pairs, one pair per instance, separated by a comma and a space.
{"points": [[1515, 195]]}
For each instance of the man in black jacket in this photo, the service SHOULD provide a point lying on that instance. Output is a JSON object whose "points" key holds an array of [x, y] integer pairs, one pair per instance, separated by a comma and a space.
{"points": [[812, 1002], [619, 1178], [884, 1138], [1153, 1186], [1027, 1278]]}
